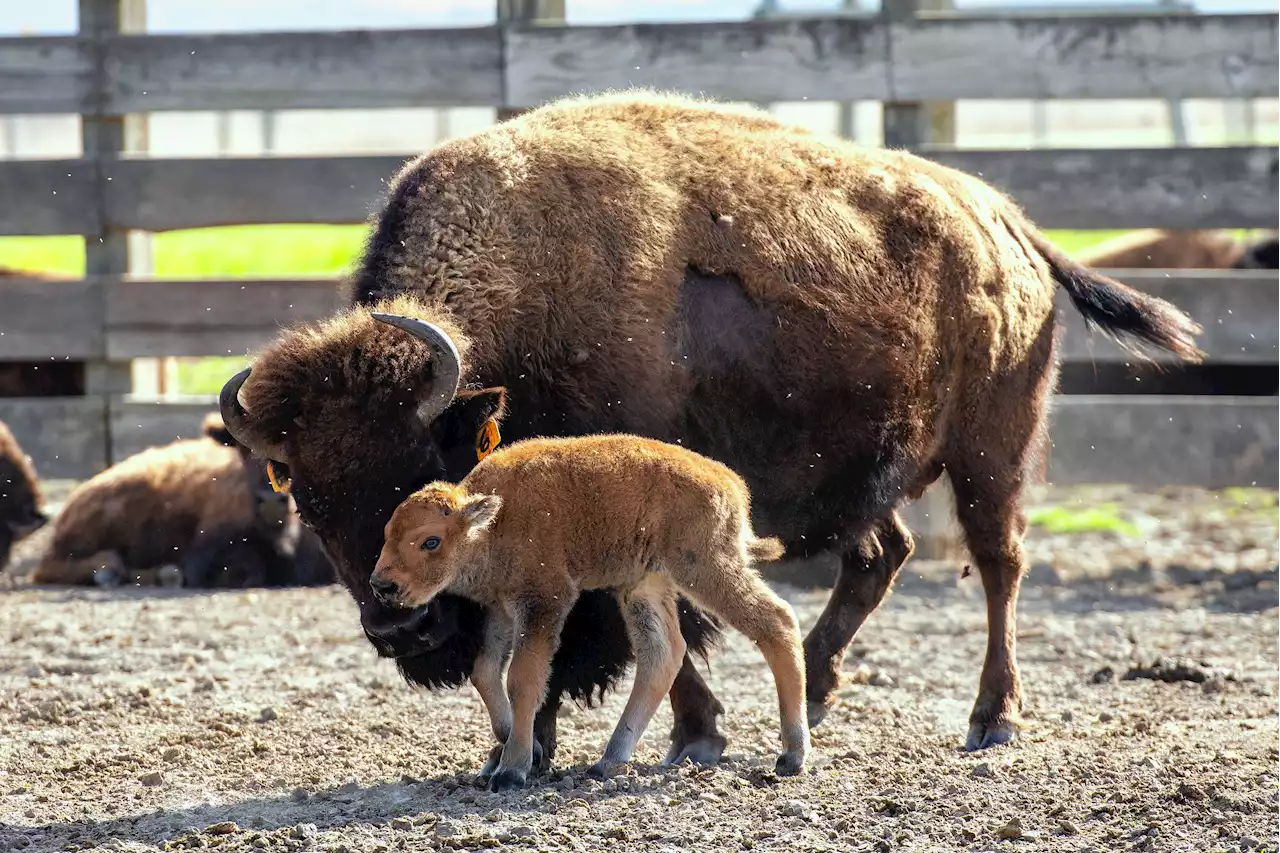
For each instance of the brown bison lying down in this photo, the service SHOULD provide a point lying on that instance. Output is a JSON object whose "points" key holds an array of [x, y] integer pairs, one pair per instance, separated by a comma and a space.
{"points": [[21, 503], [1188, 250], [196, 513], [533, 526], [838, 324]]}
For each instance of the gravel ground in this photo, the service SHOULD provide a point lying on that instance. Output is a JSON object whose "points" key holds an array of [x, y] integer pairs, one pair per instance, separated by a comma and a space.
{"points": [[262, 720]]}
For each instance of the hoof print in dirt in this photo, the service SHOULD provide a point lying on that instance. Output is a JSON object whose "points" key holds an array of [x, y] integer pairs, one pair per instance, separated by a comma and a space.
{"points": [[506, 780]]}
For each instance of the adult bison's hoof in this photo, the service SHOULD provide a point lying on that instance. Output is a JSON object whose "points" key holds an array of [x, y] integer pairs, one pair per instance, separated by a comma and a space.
{"points": [[107, 578], [985, 735], [704, 750], [507, 780], [817, 711]]}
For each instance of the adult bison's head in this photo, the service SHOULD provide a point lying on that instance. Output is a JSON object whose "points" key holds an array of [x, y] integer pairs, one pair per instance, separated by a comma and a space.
{"points": [[354, 415]]}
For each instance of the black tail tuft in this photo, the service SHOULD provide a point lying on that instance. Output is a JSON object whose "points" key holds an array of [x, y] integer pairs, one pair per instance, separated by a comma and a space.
{"points": [[1117, 309]]}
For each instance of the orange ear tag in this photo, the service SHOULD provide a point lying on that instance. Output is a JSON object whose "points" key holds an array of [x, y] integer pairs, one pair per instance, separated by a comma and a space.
{"points": [[487, 439], [277, 484]]}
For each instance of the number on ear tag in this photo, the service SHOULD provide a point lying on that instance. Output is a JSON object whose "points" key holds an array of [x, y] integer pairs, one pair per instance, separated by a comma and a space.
{"points": [[487, 438], [278, 484]]}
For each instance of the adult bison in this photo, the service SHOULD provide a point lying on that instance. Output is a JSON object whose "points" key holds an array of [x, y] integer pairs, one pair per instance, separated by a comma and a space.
{"points": [[1151, 248], [838, 324], [195, 512], [21, 502]]}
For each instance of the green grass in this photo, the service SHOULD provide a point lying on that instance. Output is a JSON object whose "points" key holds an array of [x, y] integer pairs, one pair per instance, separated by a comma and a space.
{"points": [[1096, 519], [264, 250]]}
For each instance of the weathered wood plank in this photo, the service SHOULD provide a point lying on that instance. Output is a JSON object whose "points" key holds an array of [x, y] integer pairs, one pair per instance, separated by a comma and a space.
{"points": [[165, 195], [45, 75], [1181, 188], [137, 425], [356, 69], [1112, 56], [841, 58], [148, 318], [1238, 310], [1164, 441], [50, 319], [1231, 187], [768, 60], [64, 436], [47, 197]]}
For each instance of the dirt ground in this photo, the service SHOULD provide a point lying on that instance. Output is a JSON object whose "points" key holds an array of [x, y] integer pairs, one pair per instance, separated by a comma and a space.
{"points": [[262, 720]]}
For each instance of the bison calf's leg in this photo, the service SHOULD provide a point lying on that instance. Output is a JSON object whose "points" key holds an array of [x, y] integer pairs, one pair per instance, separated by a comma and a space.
{"points": [[867, 571], [654, 627], [486, 677], [536, 629]]}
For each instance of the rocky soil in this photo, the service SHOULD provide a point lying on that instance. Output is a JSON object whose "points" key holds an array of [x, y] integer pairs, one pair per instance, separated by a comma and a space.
{"points": [[262, 720]]}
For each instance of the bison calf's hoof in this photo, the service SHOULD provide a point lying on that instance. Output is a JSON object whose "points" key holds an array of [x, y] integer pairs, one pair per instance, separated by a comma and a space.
{"points": [[789, 763], [490, 765], [169, 577], [985, 735], [507, 780]]}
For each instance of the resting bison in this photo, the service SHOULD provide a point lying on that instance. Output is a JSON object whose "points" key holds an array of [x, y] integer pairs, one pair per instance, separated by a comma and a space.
{"points": [[1181, 250], [196, 512], [534, 525], [837, 324], [21, 503]]}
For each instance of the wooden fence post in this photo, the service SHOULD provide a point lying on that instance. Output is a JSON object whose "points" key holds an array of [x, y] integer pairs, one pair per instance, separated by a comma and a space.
{"points": [[911, 125], [103, 136], [543, 12]]}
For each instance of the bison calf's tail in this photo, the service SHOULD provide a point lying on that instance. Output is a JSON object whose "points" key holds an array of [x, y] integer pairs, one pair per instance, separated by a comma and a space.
{"points": [[1119, 310], [765, 550]]}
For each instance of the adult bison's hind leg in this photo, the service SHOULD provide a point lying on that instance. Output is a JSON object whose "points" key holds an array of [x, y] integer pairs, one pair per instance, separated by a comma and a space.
{"points": [[990, 457], [867, 570]]}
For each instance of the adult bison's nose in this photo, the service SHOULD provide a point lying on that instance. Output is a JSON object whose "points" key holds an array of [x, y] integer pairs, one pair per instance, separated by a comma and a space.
{"points": [[384, 588]]}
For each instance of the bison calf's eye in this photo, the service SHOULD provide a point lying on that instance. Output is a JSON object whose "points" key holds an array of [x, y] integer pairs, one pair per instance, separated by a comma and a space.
{"points": [[431, 543]]}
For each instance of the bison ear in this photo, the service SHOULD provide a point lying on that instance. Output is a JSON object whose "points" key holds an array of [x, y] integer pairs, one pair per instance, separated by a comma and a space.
{"points": [[214, 428], [480, 511], [459, 423]]}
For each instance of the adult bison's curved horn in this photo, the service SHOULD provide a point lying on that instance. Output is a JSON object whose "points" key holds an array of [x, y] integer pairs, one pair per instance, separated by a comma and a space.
{"points": [[236, 419], [446, 364]]}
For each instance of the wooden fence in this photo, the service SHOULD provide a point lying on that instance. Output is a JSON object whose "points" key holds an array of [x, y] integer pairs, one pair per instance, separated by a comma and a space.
{"points": [[108, 318]]}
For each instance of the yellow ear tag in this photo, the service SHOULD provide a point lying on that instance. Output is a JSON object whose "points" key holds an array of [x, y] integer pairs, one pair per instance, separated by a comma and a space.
{"points": [[487, 438], [277, 484]]}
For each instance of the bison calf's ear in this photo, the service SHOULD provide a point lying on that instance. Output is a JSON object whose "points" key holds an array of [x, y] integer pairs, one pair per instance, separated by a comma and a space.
{"points": [[480, 511]]}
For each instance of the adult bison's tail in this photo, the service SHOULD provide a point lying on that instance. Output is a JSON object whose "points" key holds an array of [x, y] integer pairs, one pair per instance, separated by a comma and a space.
{"points": [[1119, 310]]}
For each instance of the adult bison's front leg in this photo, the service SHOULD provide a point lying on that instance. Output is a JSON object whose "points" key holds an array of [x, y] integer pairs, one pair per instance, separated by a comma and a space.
{"points": [[695, 708], [867, 571]]}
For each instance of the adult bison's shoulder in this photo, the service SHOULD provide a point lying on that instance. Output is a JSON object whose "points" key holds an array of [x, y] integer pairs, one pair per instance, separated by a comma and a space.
{"points": [[21, 502]]}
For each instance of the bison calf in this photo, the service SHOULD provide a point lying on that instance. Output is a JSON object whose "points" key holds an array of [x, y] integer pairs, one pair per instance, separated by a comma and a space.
{"points": [[534, 525], [20, 499]]}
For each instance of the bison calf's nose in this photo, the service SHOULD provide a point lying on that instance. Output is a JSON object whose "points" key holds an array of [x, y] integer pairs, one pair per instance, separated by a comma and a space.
{"points": [[384, 588]]}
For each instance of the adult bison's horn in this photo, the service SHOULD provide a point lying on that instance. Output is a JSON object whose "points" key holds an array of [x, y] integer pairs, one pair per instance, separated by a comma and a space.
{"points": [[236, 419], [446, 364]]}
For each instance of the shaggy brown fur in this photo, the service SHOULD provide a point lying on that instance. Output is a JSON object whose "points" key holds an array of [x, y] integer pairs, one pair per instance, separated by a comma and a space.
{"points": [[169, 515], [1157, 249], [21, 503], [838, 324], [534, 525]]}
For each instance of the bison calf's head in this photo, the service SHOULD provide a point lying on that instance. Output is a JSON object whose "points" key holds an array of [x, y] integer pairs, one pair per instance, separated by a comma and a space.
{"points": [[20, 498], [430, 536]]}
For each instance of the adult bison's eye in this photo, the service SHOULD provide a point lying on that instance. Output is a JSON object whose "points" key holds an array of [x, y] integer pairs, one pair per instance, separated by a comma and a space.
{"points": [[431, 543]]}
